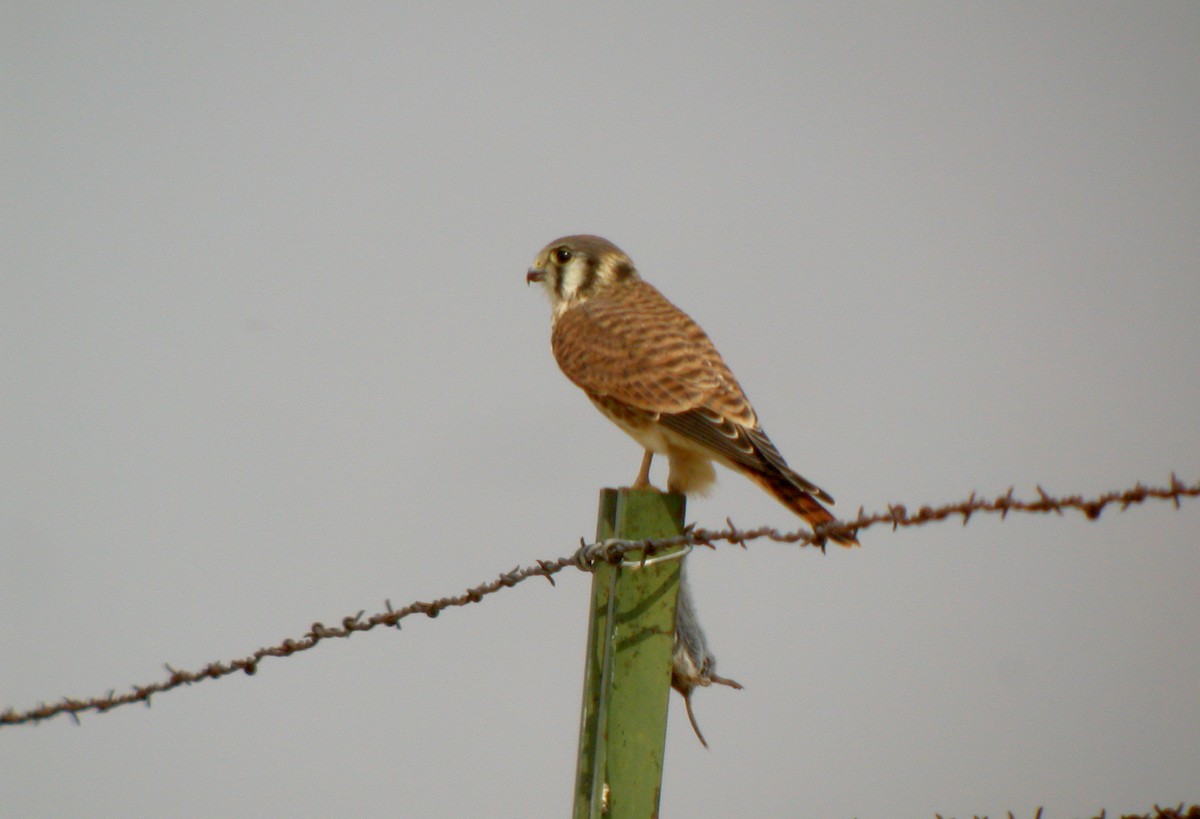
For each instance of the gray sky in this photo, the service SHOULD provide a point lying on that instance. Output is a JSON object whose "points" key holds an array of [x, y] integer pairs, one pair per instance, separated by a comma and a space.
{"points": [[269, 358]]}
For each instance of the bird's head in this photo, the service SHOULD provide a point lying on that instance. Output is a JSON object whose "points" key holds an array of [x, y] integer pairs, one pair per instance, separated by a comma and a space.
{"points": [[575, 268]]}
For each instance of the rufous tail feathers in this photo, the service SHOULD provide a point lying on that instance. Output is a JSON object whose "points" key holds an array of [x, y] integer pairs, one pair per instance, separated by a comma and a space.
{"points": [[799, 501]]}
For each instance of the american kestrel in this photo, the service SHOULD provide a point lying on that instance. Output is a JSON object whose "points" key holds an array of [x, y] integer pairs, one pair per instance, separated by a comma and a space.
{"points": [[654, 373]]}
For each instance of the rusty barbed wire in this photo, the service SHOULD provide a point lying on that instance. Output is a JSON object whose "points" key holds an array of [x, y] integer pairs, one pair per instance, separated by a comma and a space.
{"points": [[1180, 812], [897, 515]]}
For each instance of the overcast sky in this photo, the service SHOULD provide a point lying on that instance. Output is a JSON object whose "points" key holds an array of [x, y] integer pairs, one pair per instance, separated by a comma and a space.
{"points": [[269, 358]]}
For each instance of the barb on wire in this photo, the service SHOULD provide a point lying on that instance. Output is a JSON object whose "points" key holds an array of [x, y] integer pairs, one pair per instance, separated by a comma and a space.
{"points": [[896, 515]]}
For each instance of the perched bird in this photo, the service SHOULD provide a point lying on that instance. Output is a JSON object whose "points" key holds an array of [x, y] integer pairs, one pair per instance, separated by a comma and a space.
{"points": [[654, 373]]}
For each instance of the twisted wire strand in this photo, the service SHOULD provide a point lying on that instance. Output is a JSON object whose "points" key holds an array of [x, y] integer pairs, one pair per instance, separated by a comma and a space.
{"points": [[896, 515]]}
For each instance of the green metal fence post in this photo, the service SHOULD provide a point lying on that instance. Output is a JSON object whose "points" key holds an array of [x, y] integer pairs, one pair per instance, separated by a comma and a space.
{"points": [[631, 633]]}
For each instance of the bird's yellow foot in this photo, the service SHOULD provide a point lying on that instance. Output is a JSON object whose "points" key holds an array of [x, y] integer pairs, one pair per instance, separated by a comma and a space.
{"points": [[642, 481]]}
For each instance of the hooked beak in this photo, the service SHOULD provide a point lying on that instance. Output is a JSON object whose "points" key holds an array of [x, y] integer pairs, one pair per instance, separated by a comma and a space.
{"points": [[534, 275]]}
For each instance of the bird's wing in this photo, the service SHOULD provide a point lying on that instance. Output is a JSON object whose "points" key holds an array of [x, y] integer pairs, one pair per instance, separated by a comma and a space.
{"points": [[637, 348]]}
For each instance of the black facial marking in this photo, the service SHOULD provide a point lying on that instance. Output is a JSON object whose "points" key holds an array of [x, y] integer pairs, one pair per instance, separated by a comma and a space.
{"points": [[589, 275]]}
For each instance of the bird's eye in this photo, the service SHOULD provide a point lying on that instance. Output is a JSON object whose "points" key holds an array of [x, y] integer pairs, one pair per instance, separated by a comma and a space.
{"points": [[562, 255]]}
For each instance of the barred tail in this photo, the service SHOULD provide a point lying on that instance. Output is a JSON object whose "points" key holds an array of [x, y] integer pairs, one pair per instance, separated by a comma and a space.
{"points": [[799, 501]]}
